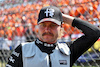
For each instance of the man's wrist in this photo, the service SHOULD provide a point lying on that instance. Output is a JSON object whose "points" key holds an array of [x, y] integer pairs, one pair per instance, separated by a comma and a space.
{"points": [[67, 19]]}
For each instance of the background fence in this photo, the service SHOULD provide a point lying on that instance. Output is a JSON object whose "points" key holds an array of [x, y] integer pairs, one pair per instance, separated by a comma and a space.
{"points": [[18, 24]]}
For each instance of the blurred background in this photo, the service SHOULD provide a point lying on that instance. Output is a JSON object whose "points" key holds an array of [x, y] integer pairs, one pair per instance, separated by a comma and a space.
{"points": [[18, 20]]}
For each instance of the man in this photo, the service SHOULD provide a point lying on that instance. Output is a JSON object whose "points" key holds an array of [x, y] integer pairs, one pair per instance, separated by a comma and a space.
{"points": [[46, 51]]}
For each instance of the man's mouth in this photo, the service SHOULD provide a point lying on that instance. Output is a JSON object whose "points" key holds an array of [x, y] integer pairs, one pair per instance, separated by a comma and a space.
{"points": [[47, 34]]}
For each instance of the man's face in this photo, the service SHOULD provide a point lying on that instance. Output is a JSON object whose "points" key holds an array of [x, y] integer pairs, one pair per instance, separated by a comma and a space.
{"points": [[48, 32]]}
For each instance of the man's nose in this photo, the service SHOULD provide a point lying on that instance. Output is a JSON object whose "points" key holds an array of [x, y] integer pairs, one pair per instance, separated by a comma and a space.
{"points": [[47, 29]]}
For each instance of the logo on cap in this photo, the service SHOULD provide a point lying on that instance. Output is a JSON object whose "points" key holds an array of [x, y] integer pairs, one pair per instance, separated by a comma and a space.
{"points": [[49, 12]]}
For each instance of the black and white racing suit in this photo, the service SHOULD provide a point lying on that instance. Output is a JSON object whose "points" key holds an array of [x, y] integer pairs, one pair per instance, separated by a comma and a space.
{"points": [[34, 55]]}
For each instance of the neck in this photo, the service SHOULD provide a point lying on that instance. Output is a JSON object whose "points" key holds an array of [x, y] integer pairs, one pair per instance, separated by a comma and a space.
{"points": [[45, 47]]}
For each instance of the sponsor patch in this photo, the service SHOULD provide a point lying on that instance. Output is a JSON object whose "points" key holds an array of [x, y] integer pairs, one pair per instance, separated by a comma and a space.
{"points": [[15, 53], [63, 62]]}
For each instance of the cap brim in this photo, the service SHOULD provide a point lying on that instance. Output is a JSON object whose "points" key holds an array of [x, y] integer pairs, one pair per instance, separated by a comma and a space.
{"points": [[50, 19]]}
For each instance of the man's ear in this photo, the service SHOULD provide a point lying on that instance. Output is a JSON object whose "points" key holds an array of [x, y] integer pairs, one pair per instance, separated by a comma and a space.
{"points": [[61, 33]]}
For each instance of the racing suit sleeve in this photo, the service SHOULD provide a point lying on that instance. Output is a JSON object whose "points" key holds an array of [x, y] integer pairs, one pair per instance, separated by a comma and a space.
{"points": [[15, 60], [80, 45]]}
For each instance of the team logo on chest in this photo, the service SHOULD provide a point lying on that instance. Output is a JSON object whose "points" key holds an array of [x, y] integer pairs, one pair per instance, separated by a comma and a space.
{"points": [[49, 12]]}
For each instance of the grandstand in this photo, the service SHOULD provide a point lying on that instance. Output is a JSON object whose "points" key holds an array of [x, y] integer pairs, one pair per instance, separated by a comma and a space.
{"points": [[18, 20]]}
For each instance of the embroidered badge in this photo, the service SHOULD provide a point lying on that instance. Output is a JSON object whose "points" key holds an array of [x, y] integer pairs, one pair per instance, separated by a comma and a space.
{"points": [[63, 62]]}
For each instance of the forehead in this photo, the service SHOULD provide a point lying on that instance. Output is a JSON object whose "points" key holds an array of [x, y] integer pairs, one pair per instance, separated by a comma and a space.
{"points": [[48, 23]]}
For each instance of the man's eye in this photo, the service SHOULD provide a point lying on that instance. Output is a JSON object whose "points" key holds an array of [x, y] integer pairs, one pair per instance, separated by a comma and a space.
{"points": [[53, 25], [43, 25]]}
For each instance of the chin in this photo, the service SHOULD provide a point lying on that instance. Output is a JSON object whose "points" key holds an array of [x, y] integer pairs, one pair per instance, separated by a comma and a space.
{"points": [[49, 41]]}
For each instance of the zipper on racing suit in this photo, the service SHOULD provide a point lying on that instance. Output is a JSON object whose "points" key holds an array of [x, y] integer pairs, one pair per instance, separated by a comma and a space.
{"points": [[49, 61]]}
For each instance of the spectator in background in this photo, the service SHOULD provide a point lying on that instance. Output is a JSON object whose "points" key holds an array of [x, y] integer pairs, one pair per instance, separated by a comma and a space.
{"points": [[7, 44], [1, 44], [77, 34], [19, 36], [98, 8], [6, 48]]}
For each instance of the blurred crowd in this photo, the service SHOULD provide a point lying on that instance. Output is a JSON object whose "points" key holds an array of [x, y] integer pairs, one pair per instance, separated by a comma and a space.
{"points": [[18, 23]]}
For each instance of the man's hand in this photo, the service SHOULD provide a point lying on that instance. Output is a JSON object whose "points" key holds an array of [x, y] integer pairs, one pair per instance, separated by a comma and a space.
{"points": [[67, 19]]}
